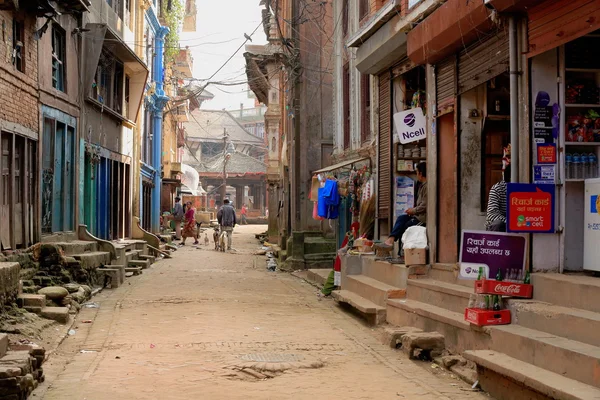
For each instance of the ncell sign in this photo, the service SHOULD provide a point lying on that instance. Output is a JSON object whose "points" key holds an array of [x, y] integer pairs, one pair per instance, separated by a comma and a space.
{"points": [[410, 125], [530, 207]]}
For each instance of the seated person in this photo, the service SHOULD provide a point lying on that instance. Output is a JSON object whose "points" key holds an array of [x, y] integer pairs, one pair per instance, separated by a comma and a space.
{"points": [[495, 219], [413, 216]]}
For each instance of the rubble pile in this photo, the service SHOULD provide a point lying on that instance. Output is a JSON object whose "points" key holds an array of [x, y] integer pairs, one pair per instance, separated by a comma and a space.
{"points": [[20, 370]]}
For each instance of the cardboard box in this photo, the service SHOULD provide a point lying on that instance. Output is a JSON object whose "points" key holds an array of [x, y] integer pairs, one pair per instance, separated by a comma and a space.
{"points": [[480, 317], [415, 256], [513, 289]]}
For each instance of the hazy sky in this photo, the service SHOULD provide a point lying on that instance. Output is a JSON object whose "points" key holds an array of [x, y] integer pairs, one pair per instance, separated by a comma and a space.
{"points": [[220, 31]]}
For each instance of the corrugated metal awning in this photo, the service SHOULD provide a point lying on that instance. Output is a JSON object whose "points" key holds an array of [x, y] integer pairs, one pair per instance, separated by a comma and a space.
{"points": [[340, 165]]}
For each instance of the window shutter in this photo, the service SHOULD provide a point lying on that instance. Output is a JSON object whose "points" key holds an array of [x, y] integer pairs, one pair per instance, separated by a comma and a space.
{"points": [[384, 167]]}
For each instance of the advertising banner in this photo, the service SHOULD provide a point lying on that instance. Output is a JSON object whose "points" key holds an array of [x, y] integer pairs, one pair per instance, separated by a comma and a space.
{"points": [[530, 207]]}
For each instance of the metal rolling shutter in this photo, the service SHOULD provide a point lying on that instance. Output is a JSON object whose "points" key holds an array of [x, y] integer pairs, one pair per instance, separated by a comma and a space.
{"points": [[384, 168], [482, 61], [445, 87]]}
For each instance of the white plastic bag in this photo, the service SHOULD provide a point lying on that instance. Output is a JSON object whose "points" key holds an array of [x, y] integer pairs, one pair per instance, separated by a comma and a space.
{"points": [[415, 237]]}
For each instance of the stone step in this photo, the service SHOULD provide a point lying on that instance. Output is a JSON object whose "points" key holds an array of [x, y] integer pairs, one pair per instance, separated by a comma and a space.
{"points": [[121, 269], [131, 255], [569, 358], [3, 344], [114, 274], [577, 291], [139, 263], [373, 313], [58, 314], [318, 276], [93, 259], [77, 247], [31, 300], [451, 296], [458, 333], [317, 244], [372, 289], [150, 259], [494, 367], [572, 323], [383, 271], [448, 273], [34, 309], [134, 270]]}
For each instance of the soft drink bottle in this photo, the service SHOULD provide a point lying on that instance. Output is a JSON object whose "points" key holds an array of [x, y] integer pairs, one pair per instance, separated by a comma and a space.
{"points": [[527, 279], [496, 306], [499, 275], [480, 274], [520, 276]]}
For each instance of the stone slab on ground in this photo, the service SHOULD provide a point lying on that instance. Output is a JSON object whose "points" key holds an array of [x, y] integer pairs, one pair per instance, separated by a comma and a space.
{"points": [[150, 259], [392, 335], [550, 384], [134, 270], [55, 293], [58, 314], [3, 344], [424, 341], [31, 300], [318, 276]]}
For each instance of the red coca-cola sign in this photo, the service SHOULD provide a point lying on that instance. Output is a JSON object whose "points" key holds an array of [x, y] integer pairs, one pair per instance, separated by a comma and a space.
{"points": [[490, 286], [508, 289]]}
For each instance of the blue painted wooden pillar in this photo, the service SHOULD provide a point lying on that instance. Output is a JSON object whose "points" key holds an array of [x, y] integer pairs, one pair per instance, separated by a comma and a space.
{"points": [[160, 100]]}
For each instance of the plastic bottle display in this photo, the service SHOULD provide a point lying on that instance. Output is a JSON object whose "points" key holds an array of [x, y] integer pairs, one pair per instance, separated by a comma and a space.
{"points": [[576, 165], [583, 165], [592, 166], [568, 166]]}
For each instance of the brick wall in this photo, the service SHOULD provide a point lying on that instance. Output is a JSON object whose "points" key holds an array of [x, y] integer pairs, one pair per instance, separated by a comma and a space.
{"points": [[19, 99]]}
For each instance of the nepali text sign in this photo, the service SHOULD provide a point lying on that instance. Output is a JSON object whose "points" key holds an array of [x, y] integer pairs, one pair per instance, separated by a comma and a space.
{"points": [[492, 251], [410, 125], [530, 207]]}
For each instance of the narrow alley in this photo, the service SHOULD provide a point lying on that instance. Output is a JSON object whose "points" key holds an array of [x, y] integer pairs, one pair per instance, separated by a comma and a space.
{"points": [[186, 326]]}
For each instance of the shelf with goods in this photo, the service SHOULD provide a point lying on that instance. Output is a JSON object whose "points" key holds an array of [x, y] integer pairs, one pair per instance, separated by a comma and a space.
{"points": [[581, 134]]}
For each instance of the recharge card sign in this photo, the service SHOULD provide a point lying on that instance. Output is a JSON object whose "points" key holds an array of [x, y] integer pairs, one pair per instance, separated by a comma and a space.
{"points": [[410, 125], [491, 251], [530, 207]]}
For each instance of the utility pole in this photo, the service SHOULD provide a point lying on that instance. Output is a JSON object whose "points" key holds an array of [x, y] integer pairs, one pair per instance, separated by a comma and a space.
{"points": [[226, 157]]}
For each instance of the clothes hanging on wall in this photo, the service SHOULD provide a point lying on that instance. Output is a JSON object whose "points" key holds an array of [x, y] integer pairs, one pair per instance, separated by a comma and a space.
{"points": [[329, 200]]}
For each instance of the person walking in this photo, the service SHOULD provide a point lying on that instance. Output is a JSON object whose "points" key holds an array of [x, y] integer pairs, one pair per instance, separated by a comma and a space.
{"points": [[227, 220], [244, 214], [178, 215], [189, 230]]}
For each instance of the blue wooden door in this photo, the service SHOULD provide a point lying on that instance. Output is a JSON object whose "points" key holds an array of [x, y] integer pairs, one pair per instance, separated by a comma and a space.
{"points": [[58, 190], [102, 193], [69, 180]]}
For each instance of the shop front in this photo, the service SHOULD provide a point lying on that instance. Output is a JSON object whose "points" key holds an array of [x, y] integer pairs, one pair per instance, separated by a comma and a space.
{"points": [[564, 70]]}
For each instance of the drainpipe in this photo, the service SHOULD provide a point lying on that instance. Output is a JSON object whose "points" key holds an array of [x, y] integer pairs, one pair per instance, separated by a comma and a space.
{"points": [[514, 99], [160, 100]]}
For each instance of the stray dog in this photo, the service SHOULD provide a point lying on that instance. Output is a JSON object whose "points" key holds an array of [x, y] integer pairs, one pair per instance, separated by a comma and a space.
{"points": [[223, 240], [216, 238]]}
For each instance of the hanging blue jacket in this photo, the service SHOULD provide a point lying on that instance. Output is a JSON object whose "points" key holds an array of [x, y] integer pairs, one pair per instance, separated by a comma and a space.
{"points": [[329, 200]]}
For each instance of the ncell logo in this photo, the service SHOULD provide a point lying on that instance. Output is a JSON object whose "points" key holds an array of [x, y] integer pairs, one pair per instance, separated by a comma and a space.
{"points": [[410, 120]]}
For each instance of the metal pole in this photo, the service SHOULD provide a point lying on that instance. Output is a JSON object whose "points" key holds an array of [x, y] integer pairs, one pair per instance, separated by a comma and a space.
{"points": [[514, 99]]}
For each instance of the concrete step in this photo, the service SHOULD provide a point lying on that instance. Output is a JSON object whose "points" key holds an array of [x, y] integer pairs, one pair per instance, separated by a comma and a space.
{"points": [[114, 274], [138, 263], [58, 314], [572, 323], [372, 289], [319, 260], [494, 367], [577, 291], [448, 273], [131, 255], [450, 296], [392, 274], [31, 300], [319, 245], [77, 247], [150, 259], [569, 358], [121, 269], [94, 259], [318, 276], [373, 313]]}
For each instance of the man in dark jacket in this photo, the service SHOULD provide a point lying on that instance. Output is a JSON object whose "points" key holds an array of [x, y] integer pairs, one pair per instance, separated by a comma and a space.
{"points": [[227, 220]]}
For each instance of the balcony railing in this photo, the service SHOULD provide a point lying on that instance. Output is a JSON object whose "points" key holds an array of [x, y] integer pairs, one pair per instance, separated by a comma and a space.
{"points": [[184, 62]]}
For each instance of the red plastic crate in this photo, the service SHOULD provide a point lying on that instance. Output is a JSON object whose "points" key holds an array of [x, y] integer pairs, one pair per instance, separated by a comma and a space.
{"points": [[491, 286], [480, 317]]}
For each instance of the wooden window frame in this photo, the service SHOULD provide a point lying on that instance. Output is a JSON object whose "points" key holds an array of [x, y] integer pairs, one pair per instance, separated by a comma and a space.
{"points": [[18, 44], [363, 9], [110, 83], [365, 107], [59, 44], [346, 106]]}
